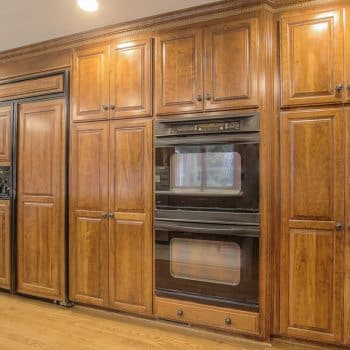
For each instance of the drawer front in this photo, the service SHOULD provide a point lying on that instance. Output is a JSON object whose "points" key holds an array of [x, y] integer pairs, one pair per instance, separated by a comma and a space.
{"points": [[215, 317], [33, 87]]}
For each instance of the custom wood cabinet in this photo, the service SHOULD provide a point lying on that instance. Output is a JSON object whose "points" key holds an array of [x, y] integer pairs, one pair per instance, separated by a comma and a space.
{"points": [[221, 74], [5, 244], [312, 224], [41, 199], [5, 135], [347, 52], [88, 209], [113, 81], [312, 58], [111, 215]]}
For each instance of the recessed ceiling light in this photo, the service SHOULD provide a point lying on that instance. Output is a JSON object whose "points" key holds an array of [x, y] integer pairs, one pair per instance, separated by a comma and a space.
{"points": [[88, 5]]}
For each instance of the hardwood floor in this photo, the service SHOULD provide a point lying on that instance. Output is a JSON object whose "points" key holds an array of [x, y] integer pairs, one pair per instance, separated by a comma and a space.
{"points": [[29, 324]]}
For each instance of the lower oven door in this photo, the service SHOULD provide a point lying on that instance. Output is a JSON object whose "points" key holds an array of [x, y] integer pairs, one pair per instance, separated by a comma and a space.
{"points": [[208, 263]]}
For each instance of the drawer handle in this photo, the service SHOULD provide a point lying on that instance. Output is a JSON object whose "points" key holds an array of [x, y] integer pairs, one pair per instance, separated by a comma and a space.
{"points": [[228, 321], [180, 313]]}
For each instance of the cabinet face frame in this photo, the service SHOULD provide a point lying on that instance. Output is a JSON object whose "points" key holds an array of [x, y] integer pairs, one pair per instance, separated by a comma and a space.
{"points": [[5, 239], [332, 20], [179, 104], [100, 68], [315, 229], [248, 29], [126, 106]]}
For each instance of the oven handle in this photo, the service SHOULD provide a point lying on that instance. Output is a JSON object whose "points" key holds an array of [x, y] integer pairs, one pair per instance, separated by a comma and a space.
{"points": [[236, 230], [207, 139]]}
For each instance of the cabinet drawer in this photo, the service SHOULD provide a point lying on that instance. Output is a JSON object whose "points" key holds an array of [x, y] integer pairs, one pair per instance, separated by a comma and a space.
{"points": [[216, 317], [33, 87]]}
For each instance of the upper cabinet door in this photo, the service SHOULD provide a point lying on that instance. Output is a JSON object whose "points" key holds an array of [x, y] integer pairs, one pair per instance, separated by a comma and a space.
{"points": [[5, 244], [131, 79], [231, 69], [91, 84], [347, 53], [312, 58], [179, 83], [313, 224], [5, 134]]}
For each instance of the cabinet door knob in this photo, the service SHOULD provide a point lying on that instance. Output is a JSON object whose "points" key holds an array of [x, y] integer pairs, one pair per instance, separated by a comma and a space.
{"points": [[208, 97], [112, 107], [199, 98], [105, 108], [339, 88], [180, 313], [104, 215], [111, 215], [228, 321], [339, 226]]}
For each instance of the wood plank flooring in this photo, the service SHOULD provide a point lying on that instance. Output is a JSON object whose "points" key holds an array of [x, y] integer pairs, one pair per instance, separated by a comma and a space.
{"points": [[27, 324]]}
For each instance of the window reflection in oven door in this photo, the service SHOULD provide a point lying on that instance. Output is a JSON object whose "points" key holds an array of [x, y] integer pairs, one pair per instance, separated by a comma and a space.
{"points": [[208, 263]]}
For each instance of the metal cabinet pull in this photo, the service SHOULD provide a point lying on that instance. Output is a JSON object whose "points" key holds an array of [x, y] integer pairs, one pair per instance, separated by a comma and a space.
{"points": [[339, 88], [104, 215], [208, 97], [112, 107], [339, 226], [111, 215], [199, 98], [180, 313], [228, 321], [105, 108]]}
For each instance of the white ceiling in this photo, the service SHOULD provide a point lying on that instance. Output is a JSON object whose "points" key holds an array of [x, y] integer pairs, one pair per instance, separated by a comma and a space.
{"points": [[25, 22]]}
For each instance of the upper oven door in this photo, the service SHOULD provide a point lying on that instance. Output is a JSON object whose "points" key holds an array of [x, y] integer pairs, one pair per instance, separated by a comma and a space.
{"points": [[208, 172]]}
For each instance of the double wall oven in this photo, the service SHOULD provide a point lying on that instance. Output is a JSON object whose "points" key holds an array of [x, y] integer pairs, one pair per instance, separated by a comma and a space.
{"points": [[207, 210]]}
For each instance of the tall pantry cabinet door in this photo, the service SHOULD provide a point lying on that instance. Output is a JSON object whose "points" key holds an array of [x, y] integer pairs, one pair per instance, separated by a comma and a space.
{"points": [[5, 244], [90, 96], [5, 135], [231, 68], [130, 272], [88, 213], [347, 234], [347, 52], [179, 76], [312, 218], [131, 79], [312, 58], [41, 199]]}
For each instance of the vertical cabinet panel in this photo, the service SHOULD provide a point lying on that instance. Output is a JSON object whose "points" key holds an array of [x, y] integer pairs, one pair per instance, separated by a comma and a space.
{"points": [[5, 134], [179, 82], [131, 203], [90, 97], [312, 58], [347, 235], [312, 206], [5, 244], [88, 220], [347, 52], [40, 197], [131, 79], [231, 67]]}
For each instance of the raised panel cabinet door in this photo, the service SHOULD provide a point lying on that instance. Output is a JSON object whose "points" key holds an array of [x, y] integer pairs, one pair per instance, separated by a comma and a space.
{"points": [[231, 66], [41, 199], [131, 79], [312, 239], [312, 57], [347, 52], [5, 134], [179, 76], [88, 213], [90, 93], [131, 238], [5, 245], [347, 235]]}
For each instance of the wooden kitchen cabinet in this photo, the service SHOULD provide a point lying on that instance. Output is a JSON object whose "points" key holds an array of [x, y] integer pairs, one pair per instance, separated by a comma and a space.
{"points": [[88, 213], [312, 239], [5, 245], [179, 76], [347, 53], [41, 199], [131, 79], [231, 65], [90, 97], [131, 237], [5, 135], [312, 58]]}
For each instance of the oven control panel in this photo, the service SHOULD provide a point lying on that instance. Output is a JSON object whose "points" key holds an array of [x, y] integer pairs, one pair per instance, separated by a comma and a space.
{"points": [[205, 127], [5, 182]]}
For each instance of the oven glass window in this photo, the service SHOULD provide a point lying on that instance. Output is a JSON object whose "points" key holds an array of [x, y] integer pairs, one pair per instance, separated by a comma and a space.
{"points": [[206, 168], [206, 261]]}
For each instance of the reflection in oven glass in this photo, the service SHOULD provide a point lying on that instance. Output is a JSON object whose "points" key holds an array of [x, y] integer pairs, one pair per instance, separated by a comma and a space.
{"points": [[222, 263]]}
